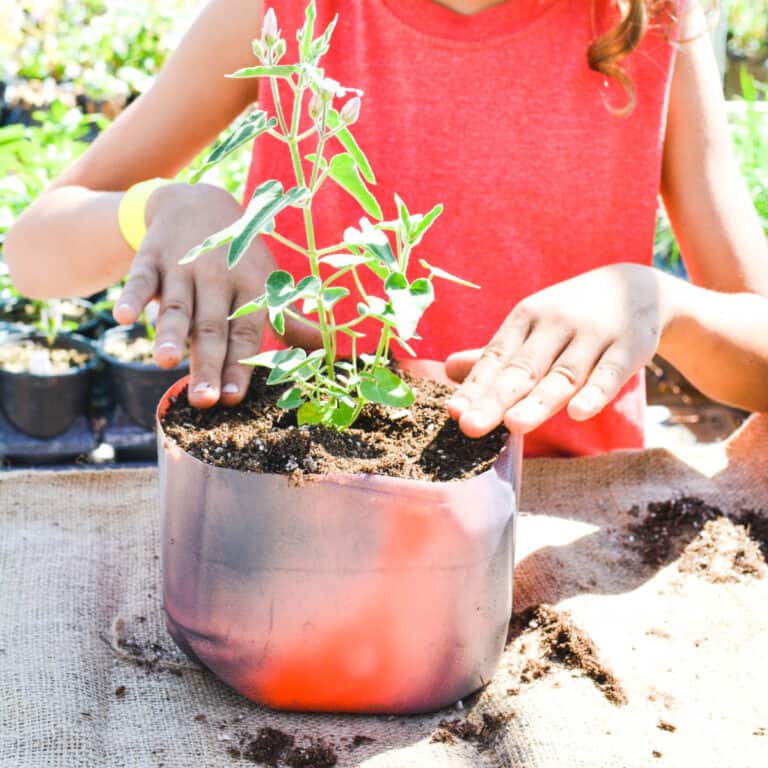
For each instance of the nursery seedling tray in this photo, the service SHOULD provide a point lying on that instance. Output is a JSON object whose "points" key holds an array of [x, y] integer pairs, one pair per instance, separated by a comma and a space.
{"points": [[130, 441], [78, 440]]}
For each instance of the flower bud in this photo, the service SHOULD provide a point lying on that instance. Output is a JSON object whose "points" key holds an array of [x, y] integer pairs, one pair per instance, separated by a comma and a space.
{"points": [[259, 50], [269, 31], [351, 110], [315, 106], [280, 48]]}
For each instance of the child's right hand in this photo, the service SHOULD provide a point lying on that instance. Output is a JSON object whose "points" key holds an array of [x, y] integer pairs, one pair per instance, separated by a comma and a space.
{"points": [[196, 299]]}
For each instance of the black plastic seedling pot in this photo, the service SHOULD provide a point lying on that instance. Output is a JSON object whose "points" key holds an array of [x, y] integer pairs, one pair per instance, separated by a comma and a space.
{"points": [[46, 405], [137, 387]]}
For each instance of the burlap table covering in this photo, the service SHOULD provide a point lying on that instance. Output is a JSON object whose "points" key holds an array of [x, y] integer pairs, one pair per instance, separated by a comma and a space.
{"points": [[79, 569]]}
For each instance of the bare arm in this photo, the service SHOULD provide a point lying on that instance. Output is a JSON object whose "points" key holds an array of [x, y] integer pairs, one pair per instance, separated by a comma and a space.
{"points": [[717, 337], [67, 243]]}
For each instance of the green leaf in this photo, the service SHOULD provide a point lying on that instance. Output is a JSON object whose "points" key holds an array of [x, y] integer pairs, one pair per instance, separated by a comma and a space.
{"points": [[271, 70], [263, 359], [386, 388], [304, 35], [253, 125], [343, 170], [290, 399], [405, 217], [281, 292], [310, 413], [437, 272], [379, 309], [248, 309], [216, 240], [285, 364], [409, 302], [342, 415], [321, 44], [267, 201], [418, 229], [330, 297], [341, 260], [347, 141], [312, 156]]}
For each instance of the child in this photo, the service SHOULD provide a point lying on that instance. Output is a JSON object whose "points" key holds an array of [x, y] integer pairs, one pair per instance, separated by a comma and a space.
{"points": [[547, 127]]}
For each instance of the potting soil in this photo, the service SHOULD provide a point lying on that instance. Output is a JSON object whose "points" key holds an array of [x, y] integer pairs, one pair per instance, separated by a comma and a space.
{"points": [[420, 443], [638, 639]]}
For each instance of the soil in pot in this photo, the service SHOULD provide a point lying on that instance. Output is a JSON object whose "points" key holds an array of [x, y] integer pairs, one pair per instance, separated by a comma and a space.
{"points": [[36, 357], [421, 443], [78, 315], [138, 383], [44, 389]]}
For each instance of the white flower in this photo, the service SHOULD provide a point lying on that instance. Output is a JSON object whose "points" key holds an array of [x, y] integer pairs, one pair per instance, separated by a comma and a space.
{"points": [[366, 235]]}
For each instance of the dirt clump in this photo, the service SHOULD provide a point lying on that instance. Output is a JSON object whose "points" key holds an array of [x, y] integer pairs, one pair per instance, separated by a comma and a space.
{"points": [[719, 547], [549, 637], [482, 734], [723, 553], [361, 741], [275, 748], [421, 443]]}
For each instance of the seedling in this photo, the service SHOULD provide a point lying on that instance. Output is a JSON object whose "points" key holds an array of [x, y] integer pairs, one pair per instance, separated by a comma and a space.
{"points": [[324, 389]]}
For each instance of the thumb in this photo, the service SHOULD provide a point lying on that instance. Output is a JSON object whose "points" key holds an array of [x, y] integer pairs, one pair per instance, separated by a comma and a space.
{"points": [[459, 364]]}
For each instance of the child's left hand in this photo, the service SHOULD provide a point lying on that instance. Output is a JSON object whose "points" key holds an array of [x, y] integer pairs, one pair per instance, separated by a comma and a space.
{"points": [[573, 344]]}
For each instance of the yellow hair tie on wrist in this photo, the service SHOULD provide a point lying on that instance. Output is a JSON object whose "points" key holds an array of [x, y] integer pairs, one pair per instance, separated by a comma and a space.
{"points": [[130, 213]]}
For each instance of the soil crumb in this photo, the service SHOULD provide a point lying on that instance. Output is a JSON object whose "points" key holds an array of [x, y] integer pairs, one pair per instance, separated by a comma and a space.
{"points": [[719, 547], [267, 747], [275, 748], [559, 641], [361, 741], [421, 443], [482, 734], [317, 755]]}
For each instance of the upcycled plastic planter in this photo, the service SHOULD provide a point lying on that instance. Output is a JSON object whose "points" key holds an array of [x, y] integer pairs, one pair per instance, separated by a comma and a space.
{"points": [[46, 405], [347, 593], [137, 386]]}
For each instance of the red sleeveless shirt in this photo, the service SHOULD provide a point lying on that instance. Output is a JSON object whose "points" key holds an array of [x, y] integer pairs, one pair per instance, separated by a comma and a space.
{"points": [[498, 116]]}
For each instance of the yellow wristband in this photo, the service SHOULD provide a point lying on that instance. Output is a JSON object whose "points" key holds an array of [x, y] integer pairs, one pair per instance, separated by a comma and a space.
{"points": [[130, 214]]}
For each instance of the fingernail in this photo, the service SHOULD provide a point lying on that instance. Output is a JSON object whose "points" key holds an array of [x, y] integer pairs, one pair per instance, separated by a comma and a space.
{"points": [[203, 386], [169, 345], [120, 308], [230, 389]]}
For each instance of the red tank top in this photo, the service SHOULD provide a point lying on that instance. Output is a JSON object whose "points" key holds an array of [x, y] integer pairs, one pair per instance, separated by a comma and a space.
{"points": [[498, 116]]}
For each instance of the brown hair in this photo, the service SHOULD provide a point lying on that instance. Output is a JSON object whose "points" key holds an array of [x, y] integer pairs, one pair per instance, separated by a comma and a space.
{"points": [[609, 49]]}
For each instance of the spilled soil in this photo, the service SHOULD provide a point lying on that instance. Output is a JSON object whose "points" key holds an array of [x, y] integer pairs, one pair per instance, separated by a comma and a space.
{"points": [[275, 748], [421, 443], [709, 543], [546, 637], [482, 733]]}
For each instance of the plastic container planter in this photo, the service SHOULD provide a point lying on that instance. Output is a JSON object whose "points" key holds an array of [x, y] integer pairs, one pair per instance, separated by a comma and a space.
{"points": [[348, 593], [45, 406], [137, 387]]}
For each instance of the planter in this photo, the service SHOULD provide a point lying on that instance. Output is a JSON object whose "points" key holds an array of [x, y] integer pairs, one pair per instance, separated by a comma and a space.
{"points": [[46, 405], [137, 387], [348, 593]]}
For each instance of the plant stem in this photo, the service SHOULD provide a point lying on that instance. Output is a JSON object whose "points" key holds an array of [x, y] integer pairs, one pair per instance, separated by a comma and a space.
{"points": [[289, 243]]}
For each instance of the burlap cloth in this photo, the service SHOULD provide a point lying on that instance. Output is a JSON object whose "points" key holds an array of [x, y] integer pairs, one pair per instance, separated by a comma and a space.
{"points": [[79, 563]]}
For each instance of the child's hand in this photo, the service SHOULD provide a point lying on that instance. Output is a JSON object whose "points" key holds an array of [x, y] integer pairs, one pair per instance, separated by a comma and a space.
{"points": [[197, 298], [575, 343]]}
